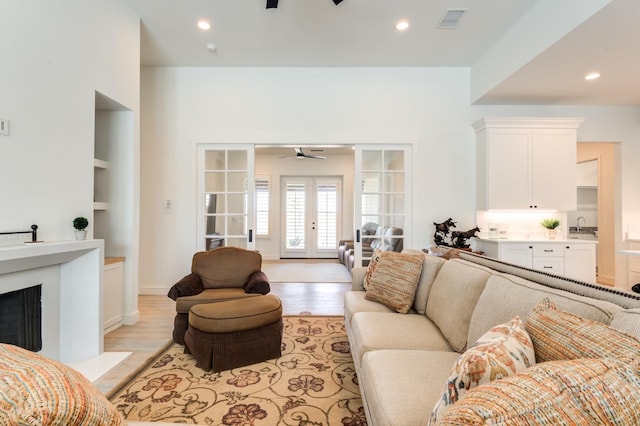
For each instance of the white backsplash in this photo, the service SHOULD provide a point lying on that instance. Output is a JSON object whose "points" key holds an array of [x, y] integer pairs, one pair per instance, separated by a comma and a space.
{"points": [[520, 225]]}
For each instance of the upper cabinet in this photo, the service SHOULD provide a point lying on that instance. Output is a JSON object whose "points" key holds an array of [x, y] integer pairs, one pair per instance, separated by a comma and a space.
{"points": [[526, 163]]}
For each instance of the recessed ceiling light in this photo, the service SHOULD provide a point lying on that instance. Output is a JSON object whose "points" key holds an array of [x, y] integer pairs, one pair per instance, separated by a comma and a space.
{"points": [[592, 76], [402, 25], [204, 25]]}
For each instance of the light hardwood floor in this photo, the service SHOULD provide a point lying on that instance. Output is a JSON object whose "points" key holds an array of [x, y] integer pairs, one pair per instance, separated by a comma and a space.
{"points": [[153, 331]]}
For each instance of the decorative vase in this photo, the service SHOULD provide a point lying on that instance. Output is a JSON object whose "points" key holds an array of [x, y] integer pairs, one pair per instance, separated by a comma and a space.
{"points": [[551, 234], [81, 234]]}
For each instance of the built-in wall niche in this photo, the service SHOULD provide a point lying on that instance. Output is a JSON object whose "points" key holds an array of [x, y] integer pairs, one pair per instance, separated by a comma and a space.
{"points": [[113, 162], [113, 203]]}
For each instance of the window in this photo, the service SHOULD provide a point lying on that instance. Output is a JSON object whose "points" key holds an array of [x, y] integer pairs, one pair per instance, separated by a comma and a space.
{"points": [[262, 206]]}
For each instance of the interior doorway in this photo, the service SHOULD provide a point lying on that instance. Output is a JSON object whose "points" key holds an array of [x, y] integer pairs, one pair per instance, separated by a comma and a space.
{"points": [[311, 212], [605, 155]]}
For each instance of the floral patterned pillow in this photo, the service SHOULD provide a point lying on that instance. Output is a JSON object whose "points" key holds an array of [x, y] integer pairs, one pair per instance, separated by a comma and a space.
{"points": [[503, 351], [373, 264]]}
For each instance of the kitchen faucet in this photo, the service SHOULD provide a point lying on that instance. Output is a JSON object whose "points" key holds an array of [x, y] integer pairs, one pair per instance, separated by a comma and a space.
{"points": [[578, 223]]}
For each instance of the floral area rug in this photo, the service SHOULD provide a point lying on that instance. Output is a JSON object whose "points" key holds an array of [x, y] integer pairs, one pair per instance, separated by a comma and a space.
{"points": [[313, 383]]}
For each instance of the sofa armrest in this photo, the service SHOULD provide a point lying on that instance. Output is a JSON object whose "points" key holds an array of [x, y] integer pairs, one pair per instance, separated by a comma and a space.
{"points": [[357, 278], [258, 283], [189, 285]]}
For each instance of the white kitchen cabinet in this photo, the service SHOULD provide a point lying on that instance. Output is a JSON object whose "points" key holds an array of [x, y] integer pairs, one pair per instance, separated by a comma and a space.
{"points": [[572, 259], [580, 261], [526, 163], [113, 307], [517, 253]]}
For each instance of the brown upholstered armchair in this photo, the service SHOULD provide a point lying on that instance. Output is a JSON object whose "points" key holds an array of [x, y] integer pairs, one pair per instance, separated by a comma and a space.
{"points": [[225, 273]]}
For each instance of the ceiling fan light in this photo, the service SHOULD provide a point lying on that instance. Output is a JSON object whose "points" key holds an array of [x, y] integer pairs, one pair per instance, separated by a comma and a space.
{"points": [[204, 25]]}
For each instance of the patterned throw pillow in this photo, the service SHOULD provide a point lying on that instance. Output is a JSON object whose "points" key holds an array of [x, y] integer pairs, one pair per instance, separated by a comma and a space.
{"points": [[558, 335], [603, 391], [39, 391], [394, 280], [503, 351], [373, 263]]}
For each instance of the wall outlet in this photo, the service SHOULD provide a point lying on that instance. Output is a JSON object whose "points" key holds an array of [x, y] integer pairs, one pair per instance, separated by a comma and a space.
{"points": [[4, 126]]}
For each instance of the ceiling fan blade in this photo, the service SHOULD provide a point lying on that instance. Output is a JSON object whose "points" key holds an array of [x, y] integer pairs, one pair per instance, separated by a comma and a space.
{"points": [[300, 154]]}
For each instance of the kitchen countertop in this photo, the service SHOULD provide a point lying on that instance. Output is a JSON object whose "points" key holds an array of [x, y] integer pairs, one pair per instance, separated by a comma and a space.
{"points": [[521, 240], [629, 252]]}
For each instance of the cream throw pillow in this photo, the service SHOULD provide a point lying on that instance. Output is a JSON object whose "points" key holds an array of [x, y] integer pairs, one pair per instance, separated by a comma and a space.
{"points": [[503, 351], [394, 280]]}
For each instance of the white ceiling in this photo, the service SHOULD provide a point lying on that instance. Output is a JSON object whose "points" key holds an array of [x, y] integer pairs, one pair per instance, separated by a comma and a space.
{"points": [[357, 33]]}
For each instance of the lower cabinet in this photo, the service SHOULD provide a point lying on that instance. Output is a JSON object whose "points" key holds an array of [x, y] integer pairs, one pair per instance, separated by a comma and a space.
{"points": [[571, 259], [113, 308]]}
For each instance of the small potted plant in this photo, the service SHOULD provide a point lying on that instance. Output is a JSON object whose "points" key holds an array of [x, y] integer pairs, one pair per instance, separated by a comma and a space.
{"points": [[80, 224], [550, 225]]}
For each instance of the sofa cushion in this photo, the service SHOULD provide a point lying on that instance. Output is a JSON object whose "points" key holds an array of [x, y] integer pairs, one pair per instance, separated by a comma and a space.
{"points": [[579, 392], [183, 304], [503, 351], [453, 297], [430, 268], [559, 335], [516, 296], [371, 267], [625, 299], [354, 301], [376, 330], [394, 280], [399, 384], [40, 391], [628, 321]]}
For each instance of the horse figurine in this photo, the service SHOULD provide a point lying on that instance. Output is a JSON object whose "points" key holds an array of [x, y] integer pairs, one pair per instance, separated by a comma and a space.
{"points": [[442, 231], [459, 239]]}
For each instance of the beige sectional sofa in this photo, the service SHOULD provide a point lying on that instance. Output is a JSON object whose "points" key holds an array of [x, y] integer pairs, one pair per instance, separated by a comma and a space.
{"points": [[403, 360]]}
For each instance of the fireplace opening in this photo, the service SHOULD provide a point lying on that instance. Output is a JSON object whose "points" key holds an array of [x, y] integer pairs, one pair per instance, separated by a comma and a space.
{"points": [[21, 318]]}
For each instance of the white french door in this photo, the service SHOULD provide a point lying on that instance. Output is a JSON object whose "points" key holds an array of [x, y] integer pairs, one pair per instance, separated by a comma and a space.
{"points": [[226, 187], [311, 216], [382, 185]]}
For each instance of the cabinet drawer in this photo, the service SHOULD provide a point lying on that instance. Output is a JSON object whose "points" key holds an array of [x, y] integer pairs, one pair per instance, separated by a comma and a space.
{"points": [[551, 264], [548, 250]]}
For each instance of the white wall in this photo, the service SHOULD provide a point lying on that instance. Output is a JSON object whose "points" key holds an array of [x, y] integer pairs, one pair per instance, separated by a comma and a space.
{"points": [[55, 54], [428, 108], [298, 106]]}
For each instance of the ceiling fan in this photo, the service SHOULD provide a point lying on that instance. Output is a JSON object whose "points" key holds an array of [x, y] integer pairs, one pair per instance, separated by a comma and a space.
{"points": [[301, 155]]}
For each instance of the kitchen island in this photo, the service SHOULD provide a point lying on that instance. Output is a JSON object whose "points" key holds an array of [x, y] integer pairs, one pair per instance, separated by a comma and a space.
{"points": [[569, 258]]}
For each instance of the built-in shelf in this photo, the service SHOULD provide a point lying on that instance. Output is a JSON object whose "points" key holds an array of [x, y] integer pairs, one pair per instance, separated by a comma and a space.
{"points": [[100, 164], [98, 205]]}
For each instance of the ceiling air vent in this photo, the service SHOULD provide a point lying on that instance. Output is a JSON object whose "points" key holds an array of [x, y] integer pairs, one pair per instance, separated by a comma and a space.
{"points": [[451, 18]]}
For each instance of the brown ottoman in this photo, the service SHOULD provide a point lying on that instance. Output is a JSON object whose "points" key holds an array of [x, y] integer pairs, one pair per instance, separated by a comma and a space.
{"points": [[235, 333]]}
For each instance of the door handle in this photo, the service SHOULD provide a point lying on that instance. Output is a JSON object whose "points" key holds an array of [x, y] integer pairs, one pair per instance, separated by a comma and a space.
{"points": [[250, 235], [357, 235]]}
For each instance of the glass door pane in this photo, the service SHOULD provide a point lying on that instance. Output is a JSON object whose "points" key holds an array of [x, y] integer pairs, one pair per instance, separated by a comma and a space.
{"points": [[295, 215], [381, 201], [226, 185]]}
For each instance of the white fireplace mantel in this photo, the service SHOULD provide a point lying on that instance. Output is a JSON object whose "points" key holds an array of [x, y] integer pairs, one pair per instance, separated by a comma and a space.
{"points": [[71, 276]]}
